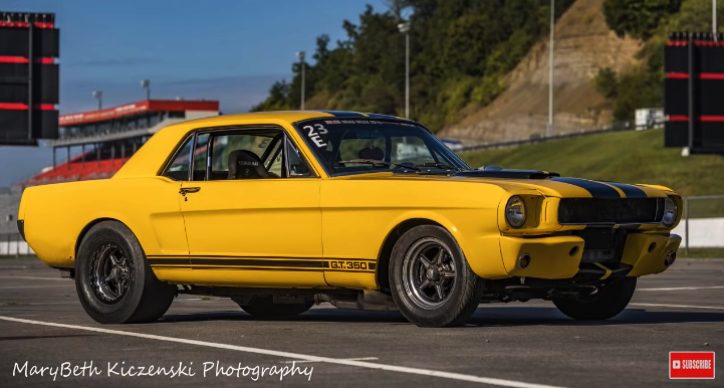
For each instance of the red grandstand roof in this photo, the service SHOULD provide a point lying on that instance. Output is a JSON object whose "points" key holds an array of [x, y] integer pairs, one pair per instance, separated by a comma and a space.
{"points": [[135, 108]]}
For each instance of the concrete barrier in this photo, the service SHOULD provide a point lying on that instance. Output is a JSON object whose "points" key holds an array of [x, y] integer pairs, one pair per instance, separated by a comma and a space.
{"points": [[703, 232]]}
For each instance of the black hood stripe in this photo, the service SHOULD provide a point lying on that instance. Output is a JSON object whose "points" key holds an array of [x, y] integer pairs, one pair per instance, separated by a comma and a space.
{"points": [[630, 191], [597, 190]]}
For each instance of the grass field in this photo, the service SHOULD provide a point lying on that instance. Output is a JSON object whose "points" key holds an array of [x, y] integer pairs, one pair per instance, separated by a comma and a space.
{"points": [[629, 157]]}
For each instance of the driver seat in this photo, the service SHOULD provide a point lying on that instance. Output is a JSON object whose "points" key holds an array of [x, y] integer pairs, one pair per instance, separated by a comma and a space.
{"points": [[245, 164]]}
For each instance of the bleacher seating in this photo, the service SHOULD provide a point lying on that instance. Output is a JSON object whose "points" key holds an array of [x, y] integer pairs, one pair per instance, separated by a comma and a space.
{"points": [[76, 170]]}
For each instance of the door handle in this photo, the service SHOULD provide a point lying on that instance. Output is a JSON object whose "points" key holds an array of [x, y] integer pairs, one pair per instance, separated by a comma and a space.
{"points": [[186, 190]]}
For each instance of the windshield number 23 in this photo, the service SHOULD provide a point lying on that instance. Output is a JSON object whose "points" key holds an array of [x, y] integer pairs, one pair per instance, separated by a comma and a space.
{"points": [[315, 132]]}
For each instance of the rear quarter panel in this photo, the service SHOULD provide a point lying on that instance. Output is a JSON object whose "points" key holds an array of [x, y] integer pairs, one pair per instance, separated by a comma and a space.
{"points": [[56, 215]]}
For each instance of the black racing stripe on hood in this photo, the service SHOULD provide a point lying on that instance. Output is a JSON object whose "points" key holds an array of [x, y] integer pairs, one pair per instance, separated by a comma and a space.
{"points": [[630, 191], [597, 190]]}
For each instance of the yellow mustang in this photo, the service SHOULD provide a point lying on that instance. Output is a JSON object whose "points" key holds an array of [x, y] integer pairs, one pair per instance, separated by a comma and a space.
{"points": [[282, 210]]}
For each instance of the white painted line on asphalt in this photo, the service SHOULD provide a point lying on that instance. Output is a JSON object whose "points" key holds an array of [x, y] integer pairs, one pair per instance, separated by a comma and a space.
{"points": [[45, 286], [680, 288], [678, 306], [37, 278], [348, 359], [360, 364]]}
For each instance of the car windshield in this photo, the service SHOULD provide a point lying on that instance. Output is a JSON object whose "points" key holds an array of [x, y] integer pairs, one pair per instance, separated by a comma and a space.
{"points": [[360, 146]]}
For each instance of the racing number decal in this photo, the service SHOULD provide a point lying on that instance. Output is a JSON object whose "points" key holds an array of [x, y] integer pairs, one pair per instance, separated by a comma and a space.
{"points": [[315, 136]]}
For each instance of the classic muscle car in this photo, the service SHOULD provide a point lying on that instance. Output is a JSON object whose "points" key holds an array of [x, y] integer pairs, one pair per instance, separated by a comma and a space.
{"points": [[282, 210]]}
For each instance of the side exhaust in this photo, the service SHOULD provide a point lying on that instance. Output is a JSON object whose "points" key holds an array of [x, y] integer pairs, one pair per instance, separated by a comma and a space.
{"points": [[670, 258]]}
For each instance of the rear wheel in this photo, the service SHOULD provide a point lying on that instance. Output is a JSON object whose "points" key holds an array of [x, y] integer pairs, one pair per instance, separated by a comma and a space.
{"points": [[431, 280], [264, 307], [113, 280], [608, 302]]}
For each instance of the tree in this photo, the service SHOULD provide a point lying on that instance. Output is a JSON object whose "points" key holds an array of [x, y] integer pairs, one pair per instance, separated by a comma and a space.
{"points": [[638, 18]]}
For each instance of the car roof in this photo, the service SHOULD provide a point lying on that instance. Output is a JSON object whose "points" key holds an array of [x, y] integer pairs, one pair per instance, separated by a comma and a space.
{"points": [[156, 151]]}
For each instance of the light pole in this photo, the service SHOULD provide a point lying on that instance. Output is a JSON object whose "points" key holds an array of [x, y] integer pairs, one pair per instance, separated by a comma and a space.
{"points": [[713, 21], [146, 84], [98, 95], [300, 55], [549, 131], [405, 29]]}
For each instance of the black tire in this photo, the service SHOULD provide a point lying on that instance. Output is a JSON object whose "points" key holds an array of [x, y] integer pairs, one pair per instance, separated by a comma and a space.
{"points": [[264, 307], [133, 294], [608, 302], [456, 290]]}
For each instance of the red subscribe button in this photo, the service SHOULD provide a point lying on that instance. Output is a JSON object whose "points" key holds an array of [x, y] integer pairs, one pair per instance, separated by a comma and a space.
{"points": [[691, 365]]}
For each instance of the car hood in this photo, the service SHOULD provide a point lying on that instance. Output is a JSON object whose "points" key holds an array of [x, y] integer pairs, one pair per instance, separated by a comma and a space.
{"points": [[548, 184]]}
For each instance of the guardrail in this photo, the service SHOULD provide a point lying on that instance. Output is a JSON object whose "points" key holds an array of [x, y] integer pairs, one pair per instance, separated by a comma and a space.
{"points": [[615, 127]]}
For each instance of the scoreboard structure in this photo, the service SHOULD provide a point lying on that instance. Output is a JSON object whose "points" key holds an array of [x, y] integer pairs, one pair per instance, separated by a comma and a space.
{"points": [[694, 92], [29, 77]]}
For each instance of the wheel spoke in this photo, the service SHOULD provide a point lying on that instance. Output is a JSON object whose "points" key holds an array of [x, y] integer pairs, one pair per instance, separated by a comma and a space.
{"points": [[113, 258], [108, 278], [439, 256], [425, 261], [448, 274], [440, 294], [424, 285]]}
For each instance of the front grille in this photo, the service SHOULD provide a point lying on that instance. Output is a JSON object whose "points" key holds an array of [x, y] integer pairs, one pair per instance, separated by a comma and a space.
{"points": [[602, 245], [610, 211]]}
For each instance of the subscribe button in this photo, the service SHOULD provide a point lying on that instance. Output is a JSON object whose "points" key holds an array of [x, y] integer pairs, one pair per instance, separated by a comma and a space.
{"points": [[691, 365]]}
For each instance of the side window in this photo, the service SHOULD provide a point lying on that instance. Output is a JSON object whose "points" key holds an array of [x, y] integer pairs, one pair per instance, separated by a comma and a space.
{"points": [[297, 166], [243, 155], [178, 170]]}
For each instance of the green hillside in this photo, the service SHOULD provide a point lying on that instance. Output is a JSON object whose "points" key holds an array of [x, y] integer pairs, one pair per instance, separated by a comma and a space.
{"points": [[630, 157]]}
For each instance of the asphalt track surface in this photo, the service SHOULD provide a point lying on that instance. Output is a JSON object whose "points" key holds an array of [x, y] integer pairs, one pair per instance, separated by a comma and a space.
{"points": [[517, 345]]}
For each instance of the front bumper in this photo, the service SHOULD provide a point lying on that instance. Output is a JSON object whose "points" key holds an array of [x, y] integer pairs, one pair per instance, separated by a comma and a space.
{"points": [[559, 257]]}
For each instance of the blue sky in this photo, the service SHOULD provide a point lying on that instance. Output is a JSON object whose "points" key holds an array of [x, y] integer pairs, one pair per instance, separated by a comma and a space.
{"points": [[230, 50]]}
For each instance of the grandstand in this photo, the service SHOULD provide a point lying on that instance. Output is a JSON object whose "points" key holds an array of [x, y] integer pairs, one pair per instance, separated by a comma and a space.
{"points": [[107, 138]]}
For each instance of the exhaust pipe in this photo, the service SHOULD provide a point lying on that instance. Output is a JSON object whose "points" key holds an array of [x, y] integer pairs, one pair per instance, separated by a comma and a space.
{"points": [[670, 258], [367, 300]]}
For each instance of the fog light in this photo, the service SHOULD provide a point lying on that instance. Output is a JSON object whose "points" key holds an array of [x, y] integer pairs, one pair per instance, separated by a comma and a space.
{"points": [[523, 262], [573, 251], [670, 258]]}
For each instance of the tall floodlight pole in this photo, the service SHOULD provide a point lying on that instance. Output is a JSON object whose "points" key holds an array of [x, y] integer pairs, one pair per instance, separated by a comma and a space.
{"points": [[98, 95], [300, 55], [549, 131], [713, 21], [146, 84], [405, 29]]}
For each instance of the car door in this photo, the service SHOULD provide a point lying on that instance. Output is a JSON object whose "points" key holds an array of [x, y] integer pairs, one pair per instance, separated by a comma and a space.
{"points": [[252, 211]]}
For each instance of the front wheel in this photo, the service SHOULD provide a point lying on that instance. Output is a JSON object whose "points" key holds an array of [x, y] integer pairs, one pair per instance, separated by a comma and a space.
{"points": [[113, 280], [608, 302], [430, 279]]}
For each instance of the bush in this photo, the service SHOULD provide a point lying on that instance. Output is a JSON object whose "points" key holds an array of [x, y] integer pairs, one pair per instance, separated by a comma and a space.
{"points": [[605, 82]]}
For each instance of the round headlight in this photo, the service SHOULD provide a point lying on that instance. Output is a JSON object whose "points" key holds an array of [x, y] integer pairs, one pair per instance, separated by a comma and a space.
{"points": [[515, 212], [671, 211]]}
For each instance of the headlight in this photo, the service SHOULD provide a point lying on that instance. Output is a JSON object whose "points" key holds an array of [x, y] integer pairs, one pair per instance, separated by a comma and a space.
{"points": [[515, 212], [671, 211]]}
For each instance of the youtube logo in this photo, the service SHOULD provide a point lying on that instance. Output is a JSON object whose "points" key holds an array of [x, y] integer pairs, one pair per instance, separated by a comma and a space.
{"points": [[691, 365]]}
